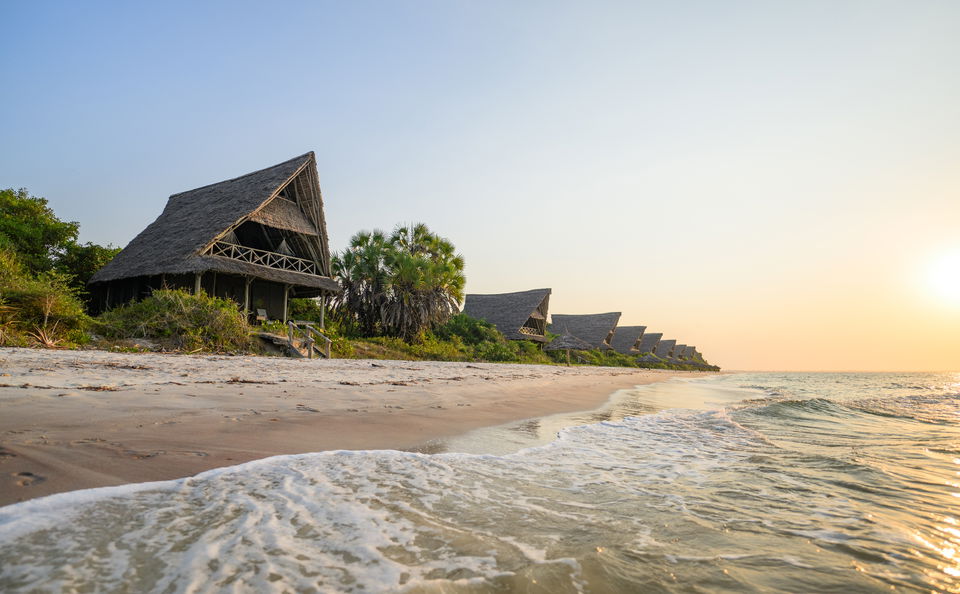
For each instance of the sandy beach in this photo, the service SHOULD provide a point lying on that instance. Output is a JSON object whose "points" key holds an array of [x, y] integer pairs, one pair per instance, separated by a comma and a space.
{"points": [[80, 419]]}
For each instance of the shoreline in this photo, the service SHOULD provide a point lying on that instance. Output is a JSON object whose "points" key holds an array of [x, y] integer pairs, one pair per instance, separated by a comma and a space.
{"points": [[81, 419]]}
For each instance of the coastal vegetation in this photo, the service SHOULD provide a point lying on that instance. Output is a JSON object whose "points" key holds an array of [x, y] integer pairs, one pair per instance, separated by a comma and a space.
{"points": [[399, 285], [178, 320], [401, 297]]}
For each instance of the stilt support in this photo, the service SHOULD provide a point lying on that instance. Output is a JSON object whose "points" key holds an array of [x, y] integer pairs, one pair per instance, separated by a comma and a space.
{"points": [[323, 312]]}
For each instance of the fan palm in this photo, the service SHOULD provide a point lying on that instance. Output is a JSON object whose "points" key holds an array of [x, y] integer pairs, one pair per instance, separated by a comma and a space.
{"points": [[400, 285]]}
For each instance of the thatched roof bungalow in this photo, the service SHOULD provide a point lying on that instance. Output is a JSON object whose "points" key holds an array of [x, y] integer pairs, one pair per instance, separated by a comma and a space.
{"points": [[678, 351], [568, 342], [665, 349], [649, 342], [258, 239], [519, 316], [595, 329], [626, 339]]}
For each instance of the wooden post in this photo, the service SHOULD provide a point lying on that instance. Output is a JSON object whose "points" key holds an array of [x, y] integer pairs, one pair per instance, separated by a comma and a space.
{"points": [[213, 291], [107, 299], [286, 294], [196, 283], [323, 309], [246, 295]]}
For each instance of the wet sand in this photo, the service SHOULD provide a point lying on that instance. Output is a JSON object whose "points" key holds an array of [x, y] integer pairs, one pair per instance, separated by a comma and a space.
{"points": [[80, 419]]}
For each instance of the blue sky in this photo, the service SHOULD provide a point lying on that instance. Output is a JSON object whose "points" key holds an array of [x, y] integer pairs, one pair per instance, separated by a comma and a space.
{"points": [[750, 177]]}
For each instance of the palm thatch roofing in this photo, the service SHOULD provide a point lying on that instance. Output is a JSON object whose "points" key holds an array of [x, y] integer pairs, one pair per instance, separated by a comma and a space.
{"points": [[596, 329], [568, 341], [678, 351], [519, 316], [649, 341], [627, 339], [176, 242], [689, 352], [665, 349]]}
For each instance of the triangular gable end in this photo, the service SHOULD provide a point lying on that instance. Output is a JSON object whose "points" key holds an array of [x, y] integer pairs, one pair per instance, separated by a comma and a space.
{"points": [[536, 325], [295, 205]]}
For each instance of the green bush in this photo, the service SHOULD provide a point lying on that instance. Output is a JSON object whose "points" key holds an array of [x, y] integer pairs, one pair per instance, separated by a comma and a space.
{"points": [[38, 309], [433, 349], [308, 310], [273, 327], [531, 352], [471, 331], [180, 320], [497, 351]]}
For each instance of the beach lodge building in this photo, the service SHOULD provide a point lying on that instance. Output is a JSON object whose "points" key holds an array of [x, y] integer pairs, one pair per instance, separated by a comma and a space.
{"points": [[665, 349], [258, 239], [595, 329], [519, 316], [626, 339], [649, 342]]}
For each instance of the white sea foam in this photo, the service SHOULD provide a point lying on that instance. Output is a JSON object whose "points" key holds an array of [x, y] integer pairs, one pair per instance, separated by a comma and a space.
{"points": [[606, 506]]}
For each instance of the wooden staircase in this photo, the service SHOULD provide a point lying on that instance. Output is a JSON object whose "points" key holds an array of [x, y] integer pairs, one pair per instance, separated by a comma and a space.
{"points": [[302, 341]]}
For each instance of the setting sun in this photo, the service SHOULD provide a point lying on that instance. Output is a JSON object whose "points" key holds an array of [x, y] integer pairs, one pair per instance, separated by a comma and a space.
{"points": [[944, 276]]}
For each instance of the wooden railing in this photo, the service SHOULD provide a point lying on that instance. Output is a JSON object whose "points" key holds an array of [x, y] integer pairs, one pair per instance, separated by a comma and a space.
{"points": [[263, 258], [308, 338]]}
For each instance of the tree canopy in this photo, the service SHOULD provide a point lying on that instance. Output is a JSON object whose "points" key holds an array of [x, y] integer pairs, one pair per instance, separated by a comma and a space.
{"points": [[402, 284], [31, 229]]}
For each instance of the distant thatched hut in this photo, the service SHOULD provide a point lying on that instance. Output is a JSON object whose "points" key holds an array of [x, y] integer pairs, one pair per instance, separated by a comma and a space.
{"points": [[519, 316], [596, 330], [626, 339], [678, 352], [649, 342], [568, 342], [665, 349], [257, 239]]}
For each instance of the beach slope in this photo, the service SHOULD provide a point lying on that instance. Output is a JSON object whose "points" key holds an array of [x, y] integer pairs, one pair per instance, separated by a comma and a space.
{"points": [[80, 419]]}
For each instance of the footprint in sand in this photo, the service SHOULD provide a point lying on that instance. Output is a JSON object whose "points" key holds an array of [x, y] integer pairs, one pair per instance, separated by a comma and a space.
{"points": [[25, 479]]}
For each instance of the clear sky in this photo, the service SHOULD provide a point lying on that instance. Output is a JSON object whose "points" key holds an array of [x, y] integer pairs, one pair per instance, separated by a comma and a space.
{"points": [[770, 181]]}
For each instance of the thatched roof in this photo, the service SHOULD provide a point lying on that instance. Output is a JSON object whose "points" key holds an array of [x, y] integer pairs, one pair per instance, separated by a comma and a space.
{"points": [[194, 220], [649, 341], [678, 351], [665, 348], [284, 214], [568, 341], [510, 311], [627, 339], [592, 328], [689, 352]]}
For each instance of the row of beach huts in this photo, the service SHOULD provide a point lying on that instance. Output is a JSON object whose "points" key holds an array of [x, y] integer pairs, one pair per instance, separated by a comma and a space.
{"points": [[261, 239], [522, 315]]}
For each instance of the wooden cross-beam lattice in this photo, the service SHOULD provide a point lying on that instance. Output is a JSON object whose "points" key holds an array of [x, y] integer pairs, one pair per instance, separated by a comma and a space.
{"points": [[263, 258]]}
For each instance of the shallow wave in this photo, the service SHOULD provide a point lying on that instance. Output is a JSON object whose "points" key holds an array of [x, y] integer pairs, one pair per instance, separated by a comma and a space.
{"points": [[793, 494]]}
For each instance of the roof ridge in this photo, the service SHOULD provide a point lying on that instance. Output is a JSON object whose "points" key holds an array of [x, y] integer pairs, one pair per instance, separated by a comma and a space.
{"points": [[547, 289], [307, 154]]}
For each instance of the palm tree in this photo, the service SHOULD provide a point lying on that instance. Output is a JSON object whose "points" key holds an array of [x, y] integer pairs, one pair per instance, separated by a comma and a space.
{"points": [[400, 285]]}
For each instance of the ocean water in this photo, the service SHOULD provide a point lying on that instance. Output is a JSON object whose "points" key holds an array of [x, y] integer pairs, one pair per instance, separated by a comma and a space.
{"points": [[739, 483]]}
